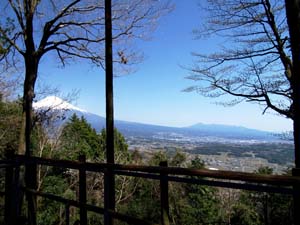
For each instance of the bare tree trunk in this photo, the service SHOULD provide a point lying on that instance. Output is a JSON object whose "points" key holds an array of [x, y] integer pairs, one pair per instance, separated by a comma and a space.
{"points": [[21, 144], [293, 19], [31, 64], [30, 170]]}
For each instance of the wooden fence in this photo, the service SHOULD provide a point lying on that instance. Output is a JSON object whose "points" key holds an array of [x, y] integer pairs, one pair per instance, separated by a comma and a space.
{"points": [[228, 179]]}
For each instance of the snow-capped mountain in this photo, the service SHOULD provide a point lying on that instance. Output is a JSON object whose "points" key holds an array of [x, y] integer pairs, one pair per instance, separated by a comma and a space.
{"points": [[209, 131], [62, 110], [55, 103]]}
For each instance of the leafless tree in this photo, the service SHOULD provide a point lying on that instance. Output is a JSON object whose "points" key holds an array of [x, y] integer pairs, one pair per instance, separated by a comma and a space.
{"points": [[293, 20], [68, 30], [254, 64], [10, 86], [257, 60]]}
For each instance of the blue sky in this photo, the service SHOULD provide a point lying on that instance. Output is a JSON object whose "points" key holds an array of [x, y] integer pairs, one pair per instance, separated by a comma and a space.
{"points": [[153, 94]]}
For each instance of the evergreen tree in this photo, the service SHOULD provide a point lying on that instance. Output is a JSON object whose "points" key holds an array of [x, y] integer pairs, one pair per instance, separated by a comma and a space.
{"points": [[201, 205], [189, 204], [263, 208], [122, 156], [10, 124], [79, 138]]}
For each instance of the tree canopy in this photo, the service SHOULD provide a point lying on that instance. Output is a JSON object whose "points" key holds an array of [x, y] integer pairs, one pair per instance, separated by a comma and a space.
{"points": [[69, 30], [79, 138], [74, 28], [10, 123], [259, 61], [254, 63]]}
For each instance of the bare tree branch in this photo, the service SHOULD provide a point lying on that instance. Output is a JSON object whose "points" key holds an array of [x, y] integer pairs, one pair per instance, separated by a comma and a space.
{"points": [[255, 64], [73, 29]]}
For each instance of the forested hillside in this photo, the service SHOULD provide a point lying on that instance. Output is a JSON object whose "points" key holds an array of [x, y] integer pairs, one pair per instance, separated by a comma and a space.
{"points": [[189, 204]]}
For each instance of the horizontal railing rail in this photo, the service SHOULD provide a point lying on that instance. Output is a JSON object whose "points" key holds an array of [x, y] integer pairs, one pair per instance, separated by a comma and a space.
{"points": [[226, 179], [89, 207], [282, 180]]}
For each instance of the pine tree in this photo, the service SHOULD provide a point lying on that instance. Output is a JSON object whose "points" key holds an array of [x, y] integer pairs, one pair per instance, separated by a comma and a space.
{"points": [[79, 138]]}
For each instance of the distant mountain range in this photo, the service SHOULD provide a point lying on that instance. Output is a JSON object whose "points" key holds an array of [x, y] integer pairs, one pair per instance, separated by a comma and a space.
{"points": [[56, 104]]}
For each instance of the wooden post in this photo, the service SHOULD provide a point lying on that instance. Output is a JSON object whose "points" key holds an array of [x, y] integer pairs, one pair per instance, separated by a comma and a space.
{"points": [[109, 179], [31, 183], [164, 196], [67, 213], [293, 21], [9, 210], [82, 191], [8, 190], [296, 172]]}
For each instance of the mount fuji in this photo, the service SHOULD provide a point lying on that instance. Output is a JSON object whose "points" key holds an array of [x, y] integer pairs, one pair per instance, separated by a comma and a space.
{"points": [[55, 104]]}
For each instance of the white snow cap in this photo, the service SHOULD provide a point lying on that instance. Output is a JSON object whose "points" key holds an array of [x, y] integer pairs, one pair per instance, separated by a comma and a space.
{"points": [[54, 102]]}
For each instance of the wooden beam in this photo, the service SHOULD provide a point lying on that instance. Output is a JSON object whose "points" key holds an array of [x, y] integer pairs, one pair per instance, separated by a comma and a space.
{"points": [[164, 196], [82, 191], [282, 180], [109, 179]]}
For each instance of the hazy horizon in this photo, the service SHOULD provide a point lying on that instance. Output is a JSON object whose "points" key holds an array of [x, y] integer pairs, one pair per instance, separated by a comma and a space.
{"points": [[153, 93]]}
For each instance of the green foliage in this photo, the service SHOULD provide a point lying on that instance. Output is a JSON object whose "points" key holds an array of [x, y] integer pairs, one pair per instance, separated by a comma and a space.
{"points": [[189, 204], [122, 155], [264, 170], [79, 138], [244, 215], [197, 163], [10, 124], [201, 207], [201, 202], [145, 203], [158, 157], [49, 211], [178, 159], [281, 209], [263, 208], [280, 153]]}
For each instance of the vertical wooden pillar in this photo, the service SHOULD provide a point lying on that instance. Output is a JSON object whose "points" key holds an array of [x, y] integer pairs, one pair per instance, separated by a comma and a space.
{"points": [[31, 183], [8, 190], [109, 179], [293, 21], [82, 191], [9, 210], [67, 213], [164, 196], [296, 172], [18, 192]]}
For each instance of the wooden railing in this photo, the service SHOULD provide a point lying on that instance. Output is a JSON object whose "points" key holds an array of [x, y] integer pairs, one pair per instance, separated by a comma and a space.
{"points": [[228, 179]]}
